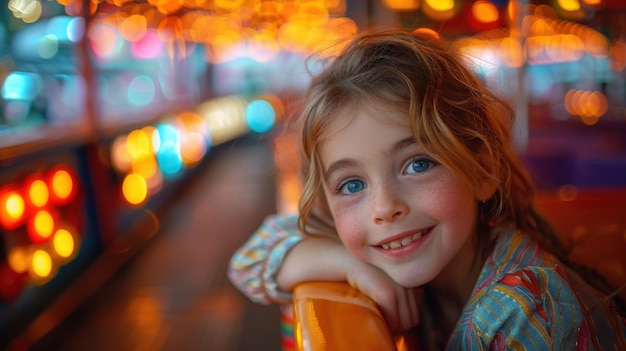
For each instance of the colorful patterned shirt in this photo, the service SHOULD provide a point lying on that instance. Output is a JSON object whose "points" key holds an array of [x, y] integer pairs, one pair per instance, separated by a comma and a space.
{"points": [[524, 298]]}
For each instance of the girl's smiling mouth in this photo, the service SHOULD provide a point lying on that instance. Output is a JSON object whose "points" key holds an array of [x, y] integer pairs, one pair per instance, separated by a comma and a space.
{"points": [[403, 240]]}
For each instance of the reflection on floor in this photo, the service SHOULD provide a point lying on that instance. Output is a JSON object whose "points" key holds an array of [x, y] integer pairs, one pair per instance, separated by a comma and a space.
{"points": [[174, 293]]}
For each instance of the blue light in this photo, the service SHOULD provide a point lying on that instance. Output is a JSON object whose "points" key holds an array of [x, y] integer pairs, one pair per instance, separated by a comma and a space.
{"points": [[168, 157], [260, 116], [21, 86]]}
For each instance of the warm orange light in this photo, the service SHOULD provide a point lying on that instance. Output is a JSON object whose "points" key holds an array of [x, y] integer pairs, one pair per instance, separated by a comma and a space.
{"points": [[439, 10], [167, 6], [18, 259], [38, 193], [62, 186], [402, 5], [569, 5], [617, 55], [193, 148], [590, 106], [138, 143], [440, 5], [133, 27], [120, 158], [485, 12], [63, 243], [12, 208], [104, 40], [41, 264], [145, 166], [428, 32], [41, 226], [134, 189]]}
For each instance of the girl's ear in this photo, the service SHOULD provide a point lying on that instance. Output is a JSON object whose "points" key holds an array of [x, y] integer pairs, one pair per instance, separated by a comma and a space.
{"points": [[489, 180]]}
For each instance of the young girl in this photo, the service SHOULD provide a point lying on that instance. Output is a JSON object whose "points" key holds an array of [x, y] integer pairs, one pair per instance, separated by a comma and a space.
{"points": [[414, 195]]}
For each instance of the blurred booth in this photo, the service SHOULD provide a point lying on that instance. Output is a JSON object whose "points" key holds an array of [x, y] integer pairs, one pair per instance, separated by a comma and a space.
{"points": [[105, 112]]}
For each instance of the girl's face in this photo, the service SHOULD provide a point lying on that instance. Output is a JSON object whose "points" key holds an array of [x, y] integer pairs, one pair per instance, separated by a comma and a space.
{"points": [[394, 206]]}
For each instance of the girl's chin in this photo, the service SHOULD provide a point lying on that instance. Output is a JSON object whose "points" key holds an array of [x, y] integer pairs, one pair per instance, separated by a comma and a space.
{"points": [[407, 282]]}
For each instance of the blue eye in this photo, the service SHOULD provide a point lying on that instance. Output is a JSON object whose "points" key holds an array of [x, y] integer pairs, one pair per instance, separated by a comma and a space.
{"points": [[419, 165], [351, 187]]}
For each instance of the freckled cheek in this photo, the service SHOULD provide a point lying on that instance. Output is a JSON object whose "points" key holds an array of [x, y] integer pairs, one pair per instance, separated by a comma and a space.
{"points": [[453, 205], [350, 232]]}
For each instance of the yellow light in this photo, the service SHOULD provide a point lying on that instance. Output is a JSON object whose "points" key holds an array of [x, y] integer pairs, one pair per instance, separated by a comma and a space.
{"points": [[441, 5], [402, 5], [38, 193], [134, 189], [138, 143], [439, 10], [569, 5], [41, 263], [62, 184], [145, 166], [63, 243], [14, 205], [43, 224]]}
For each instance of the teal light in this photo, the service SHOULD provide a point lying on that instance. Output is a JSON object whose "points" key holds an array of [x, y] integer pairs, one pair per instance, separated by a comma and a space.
{"points": [[21, 86], [260, 116], [141, 90], [168, 156]]}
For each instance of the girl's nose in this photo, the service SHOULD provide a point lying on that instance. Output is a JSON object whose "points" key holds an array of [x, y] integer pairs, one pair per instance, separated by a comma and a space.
{"points": [[388, 204]]}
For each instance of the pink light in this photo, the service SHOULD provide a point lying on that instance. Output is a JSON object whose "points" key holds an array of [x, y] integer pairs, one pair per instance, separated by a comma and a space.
{"points": [[148, 47]]}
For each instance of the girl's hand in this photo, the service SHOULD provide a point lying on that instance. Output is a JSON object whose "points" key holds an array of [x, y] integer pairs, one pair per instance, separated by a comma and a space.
{"points": [[325, 259], [399, 305]]}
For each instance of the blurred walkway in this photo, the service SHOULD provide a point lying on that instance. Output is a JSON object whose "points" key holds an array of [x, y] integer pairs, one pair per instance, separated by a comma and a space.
{"points": [[174, 293]]}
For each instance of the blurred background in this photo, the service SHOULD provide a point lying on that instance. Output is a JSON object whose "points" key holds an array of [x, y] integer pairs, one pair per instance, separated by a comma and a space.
{"points": [[142, 142]]}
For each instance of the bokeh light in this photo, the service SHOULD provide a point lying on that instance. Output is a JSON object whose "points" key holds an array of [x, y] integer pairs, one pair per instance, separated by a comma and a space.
{"points": [[135, 189], [41, 266], [19, 259], [41, 226], [62, 185], [64, 243], [260, 116], [38, 192], [12, 207]]}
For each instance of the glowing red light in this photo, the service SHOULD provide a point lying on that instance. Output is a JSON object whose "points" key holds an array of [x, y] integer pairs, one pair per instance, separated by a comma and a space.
{"points": [[12, 207]]}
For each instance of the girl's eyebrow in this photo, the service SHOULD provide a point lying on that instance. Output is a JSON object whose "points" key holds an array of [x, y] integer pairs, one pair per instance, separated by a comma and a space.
{"points": [[347, 163], [401, 144], [338, 165]]}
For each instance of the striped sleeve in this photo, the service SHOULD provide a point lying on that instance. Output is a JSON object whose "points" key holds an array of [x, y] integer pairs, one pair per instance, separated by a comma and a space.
{"points": [[253, 267]]}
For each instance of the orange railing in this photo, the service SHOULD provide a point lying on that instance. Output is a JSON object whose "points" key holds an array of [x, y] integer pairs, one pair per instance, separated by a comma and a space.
{"points": [[335, 316]]}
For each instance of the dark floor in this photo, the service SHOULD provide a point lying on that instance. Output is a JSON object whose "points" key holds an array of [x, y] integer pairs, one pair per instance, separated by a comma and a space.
{"points": [[173, 294]]}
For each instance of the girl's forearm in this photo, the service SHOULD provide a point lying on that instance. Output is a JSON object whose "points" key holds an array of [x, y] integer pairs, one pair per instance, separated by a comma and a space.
{"points": [[314, 259]]}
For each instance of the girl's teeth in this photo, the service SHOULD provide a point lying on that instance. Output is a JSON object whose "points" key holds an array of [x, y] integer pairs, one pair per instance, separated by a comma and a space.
{"points": [[404, 242]]}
